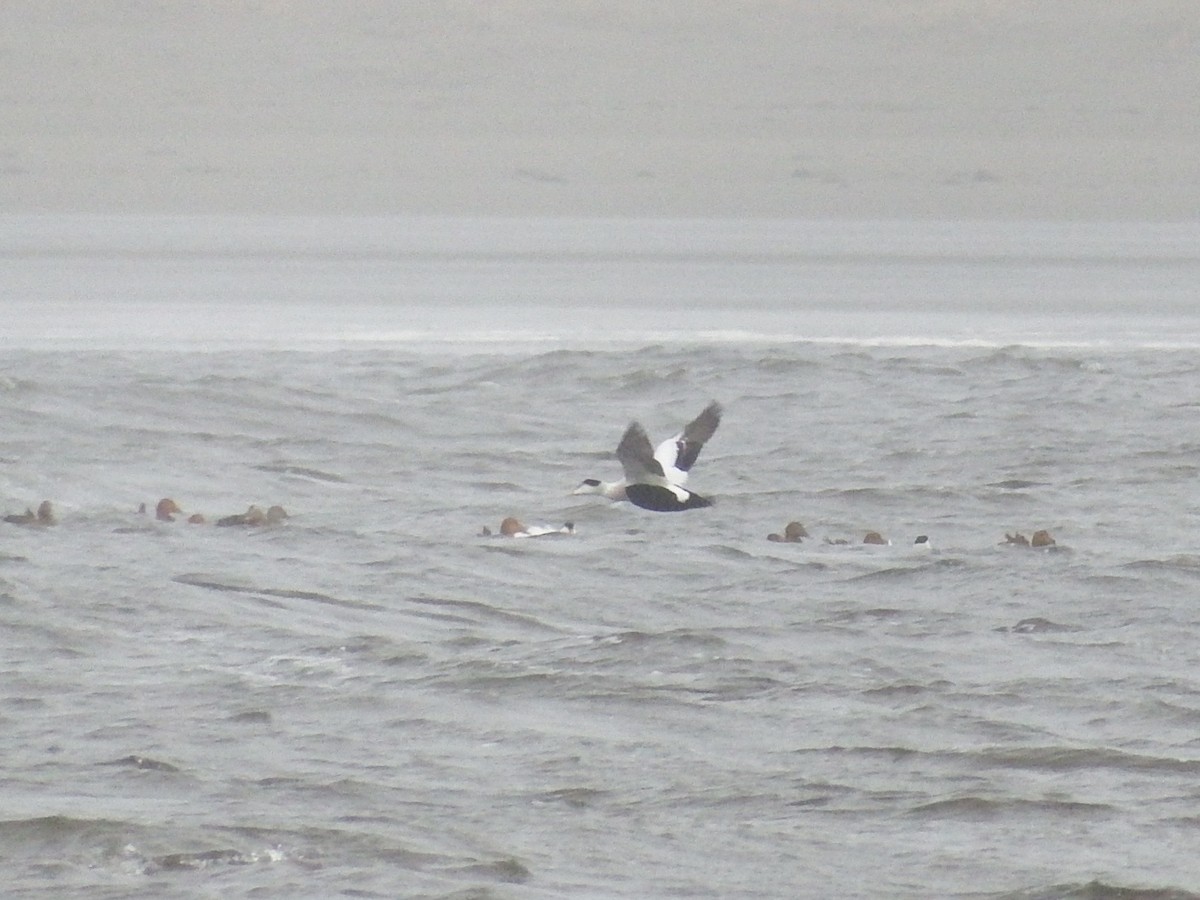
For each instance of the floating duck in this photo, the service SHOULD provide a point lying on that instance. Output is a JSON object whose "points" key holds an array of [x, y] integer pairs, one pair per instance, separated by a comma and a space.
{"points": [[793, 533], [44, 516], [674, 456], [1041, 538], [513, 528], [254, 517], [922, 542], [166, 510], [873, 538]]}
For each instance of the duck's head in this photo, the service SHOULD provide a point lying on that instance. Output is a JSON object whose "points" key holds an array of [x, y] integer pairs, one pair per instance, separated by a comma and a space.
{"points": [[166, 509], [45, 513], [794, 532]]}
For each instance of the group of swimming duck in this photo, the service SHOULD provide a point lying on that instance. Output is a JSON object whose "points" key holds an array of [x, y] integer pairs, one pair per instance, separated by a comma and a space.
{"points": [[655, 478], [167, 509], [796, 533], [164, 511]]}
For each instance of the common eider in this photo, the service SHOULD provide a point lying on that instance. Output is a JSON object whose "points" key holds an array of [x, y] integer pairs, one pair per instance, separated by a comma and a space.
{"points": [[793, 533], [675, 456], [44, 516], [512, 527], [646, 485]]}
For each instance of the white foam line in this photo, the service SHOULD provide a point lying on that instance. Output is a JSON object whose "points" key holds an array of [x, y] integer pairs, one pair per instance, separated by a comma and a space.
{"points": [[441, 341]]}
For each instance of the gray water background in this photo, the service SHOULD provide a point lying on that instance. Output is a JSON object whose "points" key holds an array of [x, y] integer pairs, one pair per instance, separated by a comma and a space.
{"points": [[373, 701]]}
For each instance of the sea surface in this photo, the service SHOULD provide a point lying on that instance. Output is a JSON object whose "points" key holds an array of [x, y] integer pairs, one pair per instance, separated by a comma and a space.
{"points": [[372, 700]]}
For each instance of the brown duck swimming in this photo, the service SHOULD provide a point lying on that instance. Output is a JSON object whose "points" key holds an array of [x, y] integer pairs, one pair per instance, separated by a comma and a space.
{"points": [[254, 516], [43, 516], [793, 533]]}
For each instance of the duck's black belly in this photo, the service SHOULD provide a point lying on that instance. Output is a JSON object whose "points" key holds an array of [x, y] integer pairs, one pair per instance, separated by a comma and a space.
{"points": [[661, 499]]}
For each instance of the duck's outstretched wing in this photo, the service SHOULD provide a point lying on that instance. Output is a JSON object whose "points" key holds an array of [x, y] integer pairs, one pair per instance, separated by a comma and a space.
{"points": [[637, 457], [677, 455]]}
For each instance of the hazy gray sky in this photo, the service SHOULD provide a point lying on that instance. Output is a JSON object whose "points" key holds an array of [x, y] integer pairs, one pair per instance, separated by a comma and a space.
{"points": [[1060, 109]]}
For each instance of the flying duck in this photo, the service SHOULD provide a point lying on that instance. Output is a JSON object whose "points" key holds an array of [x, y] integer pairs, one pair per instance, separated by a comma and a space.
{"points": [[675, 456], [646, 484]]}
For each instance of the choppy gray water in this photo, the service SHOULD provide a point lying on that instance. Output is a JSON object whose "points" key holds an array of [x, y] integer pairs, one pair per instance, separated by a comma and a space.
{"points": [[372, 701]]}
